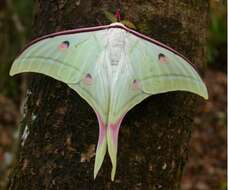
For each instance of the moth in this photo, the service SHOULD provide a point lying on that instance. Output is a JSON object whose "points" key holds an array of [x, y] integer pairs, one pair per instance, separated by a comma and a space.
{"points": [[113, 68]]}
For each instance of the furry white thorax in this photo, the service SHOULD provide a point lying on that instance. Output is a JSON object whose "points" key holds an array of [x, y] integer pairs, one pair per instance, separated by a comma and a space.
{"points": [[116, 53], [113, 64]]}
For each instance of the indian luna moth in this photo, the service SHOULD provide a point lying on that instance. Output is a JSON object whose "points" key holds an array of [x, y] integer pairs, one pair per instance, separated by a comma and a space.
{"points": [[113, 68]]}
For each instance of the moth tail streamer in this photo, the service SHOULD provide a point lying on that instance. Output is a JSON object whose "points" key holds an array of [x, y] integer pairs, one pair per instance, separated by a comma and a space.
{"points": [[112, 140], [101, 146]]}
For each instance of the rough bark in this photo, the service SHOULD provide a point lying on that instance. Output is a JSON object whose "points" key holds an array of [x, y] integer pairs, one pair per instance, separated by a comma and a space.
{"points": [[58, 152]]}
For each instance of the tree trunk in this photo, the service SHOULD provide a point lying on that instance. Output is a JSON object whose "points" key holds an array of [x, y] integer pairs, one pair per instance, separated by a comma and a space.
{"points": [[59, 132]]}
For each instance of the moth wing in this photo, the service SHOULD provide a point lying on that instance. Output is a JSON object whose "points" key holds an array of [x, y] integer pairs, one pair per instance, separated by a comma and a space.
{"points": [[64, 57], [72, 59], [150, 68], [161, 69]]}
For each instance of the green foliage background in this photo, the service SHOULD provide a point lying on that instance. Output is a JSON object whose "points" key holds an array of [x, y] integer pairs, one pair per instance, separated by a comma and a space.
{"points": [[218, 33], [15, 26]]}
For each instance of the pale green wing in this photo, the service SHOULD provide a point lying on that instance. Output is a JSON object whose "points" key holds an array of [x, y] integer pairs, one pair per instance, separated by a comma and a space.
{"points": [[67, 64], [125, 94], [148, 69], [73, 59], [161, 70], [95, 91]]}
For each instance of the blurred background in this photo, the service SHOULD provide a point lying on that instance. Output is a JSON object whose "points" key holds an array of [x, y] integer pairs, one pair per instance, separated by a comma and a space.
{"points": [[206, 169]]}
